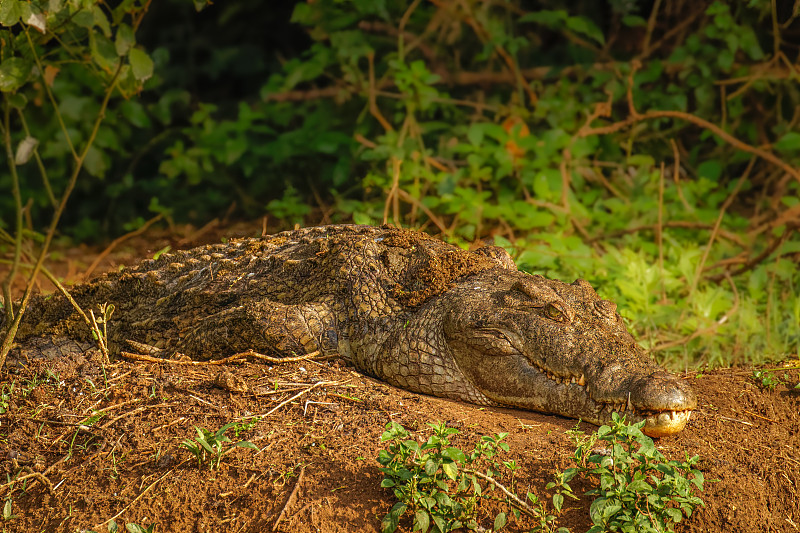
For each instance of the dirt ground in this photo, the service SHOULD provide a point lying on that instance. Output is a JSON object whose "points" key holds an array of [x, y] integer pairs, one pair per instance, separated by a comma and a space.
{"points": [[88, 443]]}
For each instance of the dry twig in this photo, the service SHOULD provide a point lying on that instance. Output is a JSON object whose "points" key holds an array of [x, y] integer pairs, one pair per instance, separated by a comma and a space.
{"points": [[116, 242], [137, 498], [291, 499], [226, 360]]}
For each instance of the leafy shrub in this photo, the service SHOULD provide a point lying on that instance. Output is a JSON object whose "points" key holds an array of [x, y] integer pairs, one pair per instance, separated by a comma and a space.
{"points": [[434, 481], [654, 153], [639, 490]]}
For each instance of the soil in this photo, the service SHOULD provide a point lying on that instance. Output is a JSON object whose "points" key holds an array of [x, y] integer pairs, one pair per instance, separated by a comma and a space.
{"points": [[99, 442]]}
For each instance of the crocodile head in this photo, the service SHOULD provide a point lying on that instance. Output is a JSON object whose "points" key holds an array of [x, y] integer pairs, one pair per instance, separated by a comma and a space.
{"points": [[544, 345]]}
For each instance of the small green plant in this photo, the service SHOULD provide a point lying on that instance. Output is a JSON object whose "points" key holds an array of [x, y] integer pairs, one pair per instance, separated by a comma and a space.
{"points": [[440, 484], [639, 490], [209, 447], [6, 390], [7, 511], [245, 425], [130, 527], [101, 336], [767, 379]]}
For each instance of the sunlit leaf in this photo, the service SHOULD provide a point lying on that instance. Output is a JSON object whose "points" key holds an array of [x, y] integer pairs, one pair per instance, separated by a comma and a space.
{"points": [[25, 150], [14, 71], [500, 521], [141, 64], [124, 39], [10, 12]]}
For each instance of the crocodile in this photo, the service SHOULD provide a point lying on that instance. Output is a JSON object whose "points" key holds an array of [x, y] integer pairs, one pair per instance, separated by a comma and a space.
{"points": [[399, 305]]}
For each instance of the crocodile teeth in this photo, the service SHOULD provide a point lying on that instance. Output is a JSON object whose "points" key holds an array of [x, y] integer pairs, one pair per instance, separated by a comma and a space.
{"points": [[565, 380]]}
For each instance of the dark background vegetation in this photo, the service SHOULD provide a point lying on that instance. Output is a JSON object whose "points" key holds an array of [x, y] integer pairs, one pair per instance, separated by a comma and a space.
{"points": [[650, 147]]}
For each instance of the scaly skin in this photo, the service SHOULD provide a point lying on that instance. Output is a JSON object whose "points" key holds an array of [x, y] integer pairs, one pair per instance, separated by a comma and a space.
{"points": [[401, 306]]}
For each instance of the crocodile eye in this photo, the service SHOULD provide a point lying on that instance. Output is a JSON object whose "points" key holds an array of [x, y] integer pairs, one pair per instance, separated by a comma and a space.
{"points": [[555, 311]]}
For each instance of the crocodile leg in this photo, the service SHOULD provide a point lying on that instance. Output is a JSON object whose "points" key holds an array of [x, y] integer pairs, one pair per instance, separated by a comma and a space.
{"points": [[262, 326]]}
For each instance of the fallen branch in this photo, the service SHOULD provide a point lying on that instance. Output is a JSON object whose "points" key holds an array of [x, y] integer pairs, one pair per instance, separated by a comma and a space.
{"points": [[296, 396], [291, 499], [514, 500], [243, 355], [145, 491], [41, 478]]}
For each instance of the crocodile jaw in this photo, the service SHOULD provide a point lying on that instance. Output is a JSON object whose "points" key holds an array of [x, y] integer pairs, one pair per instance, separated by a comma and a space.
{"points": [[666, 423], [538, 391], [535, 390]]}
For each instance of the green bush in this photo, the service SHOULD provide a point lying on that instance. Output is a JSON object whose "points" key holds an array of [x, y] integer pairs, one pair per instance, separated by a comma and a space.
{"points": [[652, 153], [443, 487], [635, 488], [638, 489]]}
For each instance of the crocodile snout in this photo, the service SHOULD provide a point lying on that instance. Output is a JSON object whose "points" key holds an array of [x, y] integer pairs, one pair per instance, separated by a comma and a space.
{"points": [[665, 401]]}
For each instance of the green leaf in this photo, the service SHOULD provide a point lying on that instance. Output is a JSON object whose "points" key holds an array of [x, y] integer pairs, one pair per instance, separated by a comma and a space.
{"points": [[34, 18], [710, 169], [422, 521], [101, 20], [84, 18], [246, 444], [10, 12], [112, 526], [639, 486], [450, 470], [674, 514], [641, 160], [558, 501], [475, 133], [221, 431], [596, 510], [14, 72], [633, 20], [500, 521], [431, 467], [125, 39], [17, 100], [141, 64], [202, 442], [440, 523], [455, 454], [389, 523], [586, 27], [94, 163], [788, 143], [103, 51]]}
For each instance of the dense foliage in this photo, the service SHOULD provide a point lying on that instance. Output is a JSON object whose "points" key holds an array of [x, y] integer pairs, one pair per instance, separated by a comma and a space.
{"points": [[650, 147]]}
